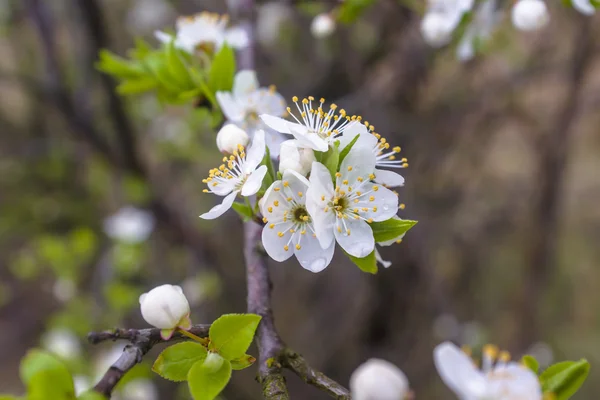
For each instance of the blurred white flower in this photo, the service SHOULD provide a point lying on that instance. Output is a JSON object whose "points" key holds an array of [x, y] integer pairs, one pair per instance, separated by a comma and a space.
{"points": [[247, 101], [479, 30], [241, 173], [584, 6], [62, 342], [378, 380], [498, 379], [295, 158], [271, 17], [81, 383], [130, 225], [289, 229], [166, 307], [64, 289], [322, 26], [140, 389], [530, 15], [148, 15], [205, 31], [442, 18], [343, 212], [230, 137]]}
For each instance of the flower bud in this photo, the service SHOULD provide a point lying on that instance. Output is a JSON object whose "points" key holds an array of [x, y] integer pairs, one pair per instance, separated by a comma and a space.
{"points": [[378, 380], [295, 158], [323, 25], [166, 308], [436, 29], [529, 15], [230, 137], [130, 225]]}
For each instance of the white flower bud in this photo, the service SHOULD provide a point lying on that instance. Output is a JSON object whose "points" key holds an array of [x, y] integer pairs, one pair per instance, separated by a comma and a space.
{"points": [[436, 29], [529, 15], [130, 225], [165, 307], [378, 380], [229, 137], [323, 25], [295, 158]]}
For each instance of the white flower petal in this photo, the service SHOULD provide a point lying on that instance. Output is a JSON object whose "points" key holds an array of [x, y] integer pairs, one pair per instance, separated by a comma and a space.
{"points": [[244, 83], [236, 37], [273, 140], [360, 242], [274, 244], [273, 193], [380, 260], [255, 153], [307, 138], [279, 124], [458, 371], [514, 381], [232, 110], [385, 201], [584, 6], [360, 162], [388, 178], [350, 132], [220, 209], [223, 188], [163, 37], [311, 256], [271, 103], [254, 181]]}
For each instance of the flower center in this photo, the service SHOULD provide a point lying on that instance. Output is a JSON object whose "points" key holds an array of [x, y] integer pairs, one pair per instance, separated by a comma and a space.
{"points": [[300, 215]]}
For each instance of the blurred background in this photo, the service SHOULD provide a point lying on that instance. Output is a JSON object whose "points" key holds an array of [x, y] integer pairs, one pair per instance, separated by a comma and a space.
{"points": [[503, 178]]}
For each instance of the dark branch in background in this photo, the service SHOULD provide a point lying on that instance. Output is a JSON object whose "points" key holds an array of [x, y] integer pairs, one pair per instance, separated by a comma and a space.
{"points": [[553, 150], [140, 343]]}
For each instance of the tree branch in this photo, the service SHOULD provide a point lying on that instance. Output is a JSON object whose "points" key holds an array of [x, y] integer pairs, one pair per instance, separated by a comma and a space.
{"points": [[141, 341]]}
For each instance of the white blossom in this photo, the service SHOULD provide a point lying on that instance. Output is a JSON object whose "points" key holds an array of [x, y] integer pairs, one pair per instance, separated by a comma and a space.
{"points": [[166, 307], [130, 225], [384, 157], [81, 383], [140, 389], [247, 101], [530, 15], [343, 213], [378, 380], [584, 6], [271, 18], [62, 342], [64, 289], [441, 19], [295, 158], [479, 30], [230, 137], [207, 31], [240, 174], [323, 25], [314, 128], [499, 379], [289, 228]]}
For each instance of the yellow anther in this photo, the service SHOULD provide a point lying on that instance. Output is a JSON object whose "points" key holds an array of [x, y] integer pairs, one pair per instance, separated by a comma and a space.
{"points": [[371, 176], [305, 101], [399, 241], [365, 209], [349, 188], [300, 194], [405, 165], [345, 182], [322, 198], [286, 247], [292, 230], [370, 220], [322, 100], [265, 220], [356, 200], [402, 206], [339, 229], [397, 149], [333, 106], [270, 209], [272, 226], [311, 98], [286, 184], [206, 191], [374, 209], [276, 203], [359, 193], [491, 351], [289, 199], [348, 232], [277, 189], [295, 99], [338, 175], [280, 234], [504, 356], [272, 89], [326, 209], [298, 247], [303, 232], [289, 110], [371, 198], [305, 218], [375, 188]]}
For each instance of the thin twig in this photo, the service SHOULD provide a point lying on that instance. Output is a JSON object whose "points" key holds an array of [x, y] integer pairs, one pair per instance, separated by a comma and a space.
{"points": [[140, 343]]}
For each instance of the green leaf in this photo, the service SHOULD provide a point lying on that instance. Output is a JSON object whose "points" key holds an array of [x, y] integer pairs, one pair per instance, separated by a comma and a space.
{"points": [[347, 149], [177, 68], [137, 86], [565, 378], [232, 334], [8, 397], [46, 377], [331, 160], [531, 363], [117, 66], [243, 362], [141, 49], [351, 10], [392, 229], [222, 70], [175, 362], [91, 395], [270, 176], [367, 264], [206, 382], [243, 210]]}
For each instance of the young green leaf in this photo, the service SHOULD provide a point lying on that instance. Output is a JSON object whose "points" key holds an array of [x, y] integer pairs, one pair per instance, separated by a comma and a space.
{"points": [[232, 334], [392, 229], [119, 67], [175, 361], [243, 210], [347, 149], [367, 264], [46, 377], [8, 397], [331, 160], [531, 363], [222, 70], [138, 85], [565, 378], [243, 362], [270, 176], [205, 383], [177, 68], [89, 395], [351, 10]]}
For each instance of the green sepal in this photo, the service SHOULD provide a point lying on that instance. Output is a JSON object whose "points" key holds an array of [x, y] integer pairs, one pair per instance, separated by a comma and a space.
{"points": [[392, 229], [366, 264]]}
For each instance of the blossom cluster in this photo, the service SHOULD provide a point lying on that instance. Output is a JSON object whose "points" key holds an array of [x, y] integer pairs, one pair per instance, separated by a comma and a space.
{"points": [[334, 181]]}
